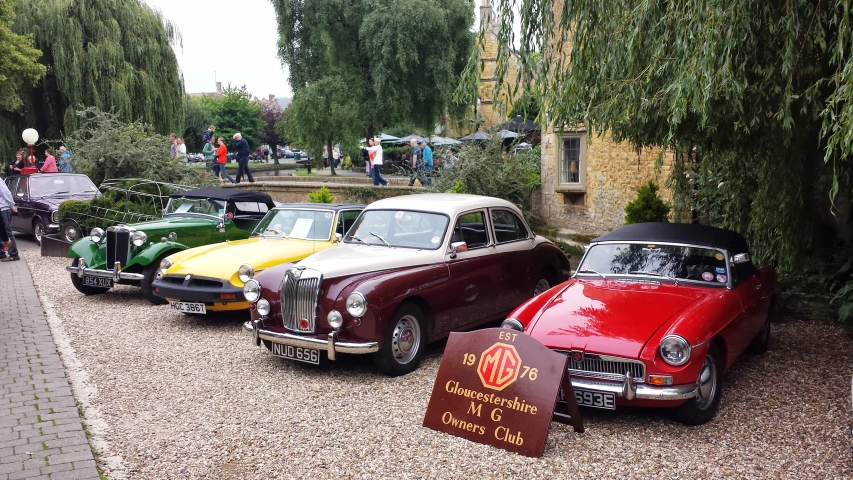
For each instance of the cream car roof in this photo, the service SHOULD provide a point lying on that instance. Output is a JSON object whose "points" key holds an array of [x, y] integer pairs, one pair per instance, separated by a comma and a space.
{"points": [[447, 203]]}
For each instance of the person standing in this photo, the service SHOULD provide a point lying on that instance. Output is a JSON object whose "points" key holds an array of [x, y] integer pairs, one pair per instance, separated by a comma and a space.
{"points": [[7, 208], [376, 149], [325, 156], [222, 159], [242, 149], [64, 162], [19, 164], [182, 149], [173, 152], [417, 164], [427, 153], [209, 152], [336, 156], [208, 135], [49, 165]]}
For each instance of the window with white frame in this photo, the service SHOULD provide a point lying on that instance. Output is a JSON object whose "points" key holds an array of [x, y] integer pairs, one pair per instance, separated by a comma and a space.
{"points": [[572, 164]]}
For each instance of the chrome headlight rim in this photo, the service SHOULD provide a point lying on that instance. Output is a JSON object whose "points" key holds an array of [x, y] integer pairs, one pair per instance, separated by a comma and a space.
{"points": [[138, 238], [252, 291], [356, 304], [263, 307], [680, 342], [97, 234], [245, 272], [512, 324], [335, 319], [166, 263]]}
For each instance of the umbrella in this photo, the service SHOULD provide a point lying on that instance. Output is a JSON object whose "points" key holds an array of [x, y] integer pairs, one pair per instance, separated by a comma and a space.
{"points": [[504, 134], [442, 141], [477, 136], [383, 138], [409, 138], [520, 124]]}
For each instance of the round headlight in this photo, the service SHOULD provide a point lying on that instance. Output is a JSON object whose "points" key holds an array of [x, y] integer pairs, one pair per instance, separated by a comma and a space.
{"points": [[96, 234], [165, 263], [335, 319], [252, 291], [356, 304], [138, 238], [245, 272], [674, 350], [263, 307]]}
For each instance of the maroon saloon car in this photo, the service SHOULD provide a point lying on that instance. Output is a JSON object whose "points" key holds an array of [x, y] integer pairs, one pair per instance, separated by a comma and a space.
{"points": [[409, 271], [654, 316]]}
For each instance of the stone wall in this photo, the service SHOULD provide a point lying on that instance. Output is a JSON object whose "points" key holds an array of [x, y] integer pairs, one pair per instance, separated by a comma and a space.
{"points": [[297, 191], [614, 172]]}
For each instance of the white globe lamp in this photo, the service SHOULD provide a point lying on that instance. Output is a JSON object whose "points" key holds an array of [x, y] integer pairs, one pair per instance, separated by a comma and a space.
{"points": [[30, 136]]}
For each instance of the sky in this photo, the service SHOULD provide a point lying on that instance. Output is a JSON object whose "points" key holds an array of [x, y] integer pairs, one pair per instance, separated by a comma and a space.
{"points": [[231, 42], [227, 41]]}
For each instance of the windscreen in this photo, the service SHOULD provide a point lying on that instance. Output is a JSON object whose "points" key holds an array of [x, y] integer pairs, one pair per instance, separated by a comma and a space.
{"points": [[399, 228], [302, 224], [665, 261], [60, 185]]}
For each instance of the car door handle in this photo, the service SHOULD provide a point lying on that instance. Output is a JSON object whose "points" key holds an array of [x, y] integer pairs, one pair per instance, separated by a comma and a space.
{"points": [[758, 287]]}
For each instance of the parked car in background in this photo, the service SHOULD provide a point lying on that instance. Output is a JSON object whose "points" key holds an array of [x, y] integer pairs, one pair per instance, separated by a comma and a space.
{"points": [[211, 278], [38, 196], [131, 254], [410, 270], [655, 315]]}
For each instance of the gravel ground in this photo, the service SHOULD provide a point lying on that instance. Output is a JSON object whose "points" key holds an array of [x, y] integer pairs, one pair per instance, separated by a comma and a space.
{"points": [[189, 397]]}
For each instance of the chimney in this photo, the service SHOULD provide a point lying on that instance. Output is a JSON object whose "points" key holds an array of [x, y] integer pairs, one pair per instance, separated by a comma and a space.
{"points": [[272, 97], [219, 88], [486, 14]]}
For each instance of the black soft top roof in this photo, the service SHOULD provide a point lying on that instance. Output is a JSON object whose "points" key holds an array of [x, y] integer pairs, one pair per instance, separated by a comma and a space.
{"points": [[234, 194], [685, 233]]}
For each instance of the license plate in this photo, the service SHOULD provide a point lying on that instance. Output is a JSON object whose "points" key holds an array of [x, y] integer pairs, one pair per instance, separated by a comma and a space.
{"points": [[187, 307], [101, 282], [586, 398], [307, 355]]}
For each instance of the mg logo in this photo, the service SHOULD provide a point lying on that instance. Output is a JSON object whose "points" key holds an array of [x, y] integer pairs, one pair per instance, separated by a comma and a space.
{"points": [[499, 366]]}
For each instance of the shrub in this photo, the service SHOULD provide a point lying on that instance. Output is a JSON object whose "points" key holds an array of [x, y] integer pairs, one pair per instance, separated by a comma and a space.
{"points": [[321, 196], [647, 207], [486, 169], [347, 163]]}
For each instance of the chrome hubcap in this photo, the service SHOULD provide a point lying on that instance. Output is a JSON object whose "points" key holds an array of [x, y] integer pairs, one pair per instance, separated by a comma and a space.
{"points": [[707, 383], [541, 286], [406, 339], [38, 232], [70, 234]]}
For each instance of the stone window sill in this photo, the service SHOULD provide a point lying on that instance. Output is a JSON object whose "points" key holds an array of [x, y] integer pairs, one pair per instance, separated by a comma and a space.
{"points": [[570, 188]]}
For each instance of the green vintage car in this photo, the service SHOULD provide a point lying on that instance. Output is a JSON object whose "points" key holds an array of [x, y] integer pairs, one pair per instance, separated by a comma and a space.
{"points": [[131, 254]]}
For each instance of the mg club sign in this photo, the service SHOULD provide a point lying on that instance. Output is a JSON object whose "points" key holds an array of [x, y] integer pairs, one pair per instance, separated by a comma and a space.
{"points": [[499, 387], [498, 367]]}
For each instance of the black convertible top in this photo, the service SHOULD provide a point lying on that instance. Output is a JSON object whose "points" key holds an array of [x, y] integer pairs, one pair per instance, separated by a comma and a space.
{"points": [[234, 194], [685, 233]]}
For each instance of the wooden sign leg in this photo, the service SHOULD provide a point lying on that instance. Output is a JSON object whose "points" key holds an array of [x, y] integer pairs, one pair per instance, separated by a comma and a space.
{"points": [[574, 417]]}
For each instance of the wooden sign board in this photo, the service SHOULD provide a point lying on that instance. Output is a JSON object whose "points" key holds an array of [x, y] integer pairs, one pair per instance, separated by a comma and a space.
{"points": [[499, 387]]}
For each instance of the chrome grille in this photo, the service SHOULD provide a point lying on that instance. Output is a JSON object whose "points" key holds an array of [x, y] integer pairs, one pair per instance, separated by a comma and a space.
{"points": [[299, 289], [604, 366], [118, 246]]}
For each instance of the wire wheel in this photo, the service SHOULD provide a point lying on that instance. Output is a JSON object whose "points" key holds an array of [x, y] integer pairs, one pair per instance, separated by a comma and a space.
{"points": [[406, 339]]}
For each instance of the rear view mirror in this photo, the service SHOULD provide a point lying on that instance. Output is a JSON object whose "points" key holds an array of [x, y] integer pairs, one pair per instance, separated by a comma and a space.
{"points": [[457, 247], [741, 258], [338, 238]]}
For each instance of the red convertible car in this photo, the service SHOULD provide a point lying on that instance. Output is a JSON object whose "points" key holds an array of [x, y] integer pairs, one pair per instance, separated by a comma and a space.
{"points": [[410, 270], [654, 316]]}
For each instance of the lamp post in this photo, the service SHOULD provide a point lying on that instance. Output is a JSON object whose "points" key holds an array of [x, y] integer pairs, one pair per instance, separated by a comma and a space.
{"points": [[30, 137]]}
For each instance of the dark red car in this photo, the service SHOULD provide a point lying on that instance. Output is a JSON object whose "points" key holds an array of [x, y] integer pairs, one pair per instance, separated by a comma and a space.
{"points": [[409, 271], [654, 316], [38, 196]]}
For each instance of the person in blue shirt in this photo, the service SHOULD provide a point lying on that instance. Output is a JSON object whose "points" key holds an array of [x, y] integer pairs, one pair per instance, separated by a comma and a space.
{"points": [[7, 208], [427, 153], [63, 163]]}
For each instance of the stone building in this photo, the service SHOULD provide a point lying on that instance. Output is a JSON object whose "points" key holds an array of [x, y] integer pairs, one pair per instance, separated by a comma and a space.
{"points": [[588, 178], [494, 103]]}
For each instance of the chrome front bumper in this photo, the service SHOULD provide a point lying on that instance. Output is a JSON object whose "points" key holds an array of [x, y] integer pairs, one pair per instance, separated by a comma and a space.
{"points": [[116, 274], [630, 390], [331, 345]]}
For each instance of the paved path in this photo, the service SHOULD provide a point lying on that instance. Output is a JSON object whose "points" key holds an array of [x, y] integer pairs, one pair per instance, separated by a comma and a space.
{"points": [[41, 432]]}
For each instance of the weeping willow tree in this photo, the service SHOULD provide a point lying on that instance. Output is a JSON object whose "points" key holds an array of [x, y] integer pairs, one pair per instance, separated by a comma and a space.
{"points": [[115, 55], [754, 96]]}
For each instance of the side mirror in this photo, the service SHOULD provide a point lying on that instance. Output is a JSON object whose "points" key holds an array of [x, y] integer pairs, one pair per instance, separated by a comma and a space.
{"points": [[741, 258], [338, 238], [457, 247]]}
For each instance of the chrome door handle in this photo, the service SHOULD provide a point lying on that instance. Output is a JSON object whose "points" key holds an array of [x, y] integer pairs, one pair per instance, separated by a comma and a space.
{"points": [[758, 287]]}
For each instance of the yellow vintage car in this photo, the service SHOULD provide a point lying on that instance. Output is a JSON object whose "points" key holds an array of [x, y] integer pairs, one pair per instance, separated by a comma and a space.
{"points": [[210, 278]]}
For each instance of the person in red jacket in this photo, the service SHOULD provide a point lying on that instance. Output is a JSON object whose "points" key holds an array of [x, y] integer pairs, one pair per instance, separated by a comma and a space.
{"points": [[221, 159]]}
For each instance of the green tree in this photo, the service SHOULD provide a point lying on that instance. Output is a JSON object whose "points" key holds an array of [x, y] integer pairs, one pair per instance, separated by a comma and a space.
{"points": [[527, 105], [402, 57], [647, 207], [196, 121], [753, 96], [321, 114], [19, 65], [235, 112], [115, 55], [269, 135]]}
